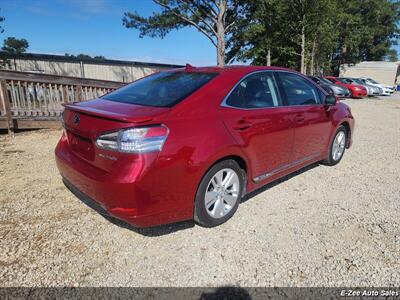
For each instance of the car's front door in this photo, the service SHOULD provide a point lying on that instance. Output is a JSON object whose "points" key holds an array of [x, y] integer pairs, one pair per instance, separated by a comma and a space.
{"points": [[254, 115], [311, 119]]}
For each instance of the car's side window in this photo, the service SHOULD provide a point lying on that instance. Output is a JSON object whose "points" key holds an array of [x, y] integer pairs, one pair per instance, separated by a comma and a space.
{"points": [[298, 90], [346, 80], [255, 91]]}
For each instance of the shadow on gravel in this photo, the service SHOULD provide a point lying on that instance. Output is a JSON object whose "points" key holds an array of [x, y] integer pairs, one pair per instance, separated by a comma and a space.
{"points": [[152, 231], [278, 181], [170, 228]]}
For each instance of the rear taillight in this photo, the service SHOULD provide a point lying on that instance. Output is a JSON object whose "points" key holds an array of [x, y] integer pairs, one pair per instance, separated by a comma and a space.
{"points": [[134, 140]]}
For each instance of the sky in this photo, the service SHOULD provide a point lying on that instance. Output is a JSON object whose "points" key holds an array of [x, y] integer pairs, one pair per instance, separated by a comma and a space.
{"points": [[94, 27]]}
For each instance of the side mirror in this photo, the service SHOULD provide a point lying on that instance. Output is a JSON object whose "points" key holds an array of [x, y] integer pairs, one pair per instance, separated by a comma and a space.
{"points": [[330, 100]]}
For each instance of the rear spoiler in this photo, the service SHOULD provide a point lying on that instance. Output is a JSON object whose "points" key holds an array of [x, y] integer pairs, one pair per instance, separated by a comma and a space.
{"points": [[105, 115]]}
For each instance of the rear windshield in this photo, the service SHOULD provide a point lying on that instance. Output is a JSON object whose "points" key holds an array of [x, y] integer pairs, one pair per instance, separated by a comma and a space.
{"points": [[345, 80], [324, 80], [357, 81], [163, 89]]}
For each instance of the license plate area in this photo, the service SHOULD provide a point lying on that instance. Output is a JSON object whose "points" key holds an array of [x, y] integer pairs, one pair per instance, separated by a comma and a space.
{"points": [[81, 146]]}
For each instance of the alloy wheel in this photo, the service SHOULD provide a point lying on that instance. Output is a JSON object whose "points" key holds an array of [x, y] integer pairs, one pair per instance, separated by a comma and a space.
{"points": [[338, 145], [222, 193]]}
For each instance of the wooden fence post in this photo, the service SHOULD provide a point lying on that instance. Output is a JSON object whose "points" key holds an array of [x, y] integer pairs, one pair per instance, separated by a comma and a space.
{"points": [[5, 103], [78, 93]]}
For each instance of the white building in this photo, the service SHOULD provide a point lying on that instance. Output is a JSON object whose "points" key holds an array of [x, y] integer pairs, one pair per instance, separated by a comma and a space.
{"points": [[381, 71], [107, 69]]}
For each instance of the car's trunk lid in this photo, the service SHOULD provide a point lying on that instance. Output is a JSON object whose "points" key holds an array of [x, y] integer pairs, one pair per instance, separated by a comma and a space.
{"points": [[85, 121]]}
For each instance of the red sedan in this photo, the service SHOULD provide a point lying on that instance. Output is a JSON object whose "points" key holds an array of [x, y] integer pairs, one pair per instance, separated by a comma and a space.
{"points": [[357, 91], [190, 143]]}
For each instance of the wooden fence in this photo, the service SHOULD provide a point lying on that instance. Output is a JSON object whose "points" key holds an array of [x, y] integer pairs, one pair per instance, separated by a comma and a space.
{"points": [[31, 100]]}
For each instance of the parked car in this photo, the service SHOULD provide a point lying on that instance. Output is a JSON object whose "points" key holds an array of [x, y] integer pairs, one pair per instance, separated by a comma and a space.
{"points": [[331, 88], [387, 90], [356, 91], [189, 143], [376, 91], [371, 90]]}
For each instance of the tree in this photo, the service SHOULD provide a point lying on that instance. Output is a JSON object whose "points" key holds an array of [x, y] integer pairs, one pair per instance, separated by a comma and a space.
{"points": [[366, 31], [256, 32], [392, 55], [314, 36], [85, 56], [14, 46], [1, 20], [213, 18]]}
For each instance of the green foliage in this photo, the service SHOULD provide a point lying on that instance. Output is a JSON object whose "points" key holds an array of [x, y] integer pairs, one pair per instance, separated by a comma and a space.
{"points": [[213, 18], [157, 25], [1, 20], [325, 33], [392, 55], [85, 56], [14, 46], [336, 32]]}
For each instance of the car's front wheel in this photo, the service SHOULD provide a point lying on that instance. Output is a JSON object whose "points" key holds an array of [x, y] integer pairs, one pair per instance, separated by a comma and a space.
{"points": [[219, 193], [337, 147]]}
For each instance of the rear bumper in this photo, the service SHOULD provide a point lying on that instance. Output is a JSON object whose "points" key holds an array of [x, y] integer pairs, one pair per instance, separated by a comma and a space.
{"points": [[127, 194]]}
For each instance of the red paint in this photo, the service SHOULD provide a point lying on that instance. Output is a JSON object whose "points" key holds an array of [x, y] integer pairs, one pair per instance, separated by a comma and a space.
{"points": [[357, 91], [159, 187]]}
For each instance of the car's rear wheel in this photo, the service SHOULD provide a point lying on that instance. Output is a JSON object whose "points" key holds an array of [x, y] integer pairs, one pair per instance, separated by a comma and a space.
{"points": [[337, 147], [219, 193]]}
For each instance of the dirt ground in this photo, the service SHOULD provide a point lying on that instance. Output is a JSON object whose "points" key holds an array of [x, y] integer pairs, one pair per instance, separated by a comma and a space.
{"points": [[323, 226]]}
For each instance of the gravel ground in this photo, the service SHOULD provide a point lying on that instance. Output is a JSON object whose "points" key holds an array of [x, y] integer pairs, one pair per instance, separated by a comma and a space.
{"points": [[323, 226]]}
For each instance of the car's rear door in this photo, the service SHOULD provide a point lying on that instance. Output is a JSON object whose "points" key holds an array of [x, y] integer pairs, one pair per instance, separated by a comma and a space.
{"points": [[312, 123], [254, 115]]}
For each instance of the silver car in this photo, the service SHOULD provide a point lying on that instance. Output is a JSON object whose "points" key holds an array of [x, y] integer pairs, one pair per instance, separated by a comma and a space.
{"points": [[371, 90]]}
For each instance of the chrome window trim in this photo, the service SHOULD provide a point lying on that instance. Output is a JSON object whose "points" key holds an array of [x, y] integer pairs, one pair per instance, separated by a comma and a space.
{"points": [[224, 104]]}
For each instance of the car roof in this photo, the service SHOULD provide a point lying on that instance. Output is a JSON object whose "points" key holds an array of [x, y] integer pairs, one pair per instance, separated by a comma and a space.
{"points": [[233, 68]]}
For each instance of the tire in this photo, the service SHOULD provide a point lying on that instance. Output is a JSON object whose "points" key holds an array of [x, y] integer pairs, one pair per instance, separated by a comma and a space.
{"points": [[221, 205], [333, 157]]}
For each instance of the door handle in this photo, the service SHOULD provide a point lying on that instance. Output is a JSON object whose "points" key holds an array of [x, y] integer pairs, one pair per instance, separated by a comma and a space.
{"points": [[242, 125], [299, 118]]}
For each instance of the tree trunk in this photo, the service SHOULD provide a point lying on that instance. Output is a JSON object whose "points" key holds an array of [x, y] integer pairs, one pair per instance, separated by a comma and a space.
{"points": [[312, 58], [220, 51], [269, 57], [221, 33], [303, 44]]}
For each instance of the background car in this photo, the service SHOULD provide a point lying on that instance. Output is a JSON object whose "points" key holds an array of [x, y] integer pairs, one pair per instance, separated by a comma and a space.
{"points": [[331, 88], [356, 91], [387, 90], [371, 90], [376, 91]]}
